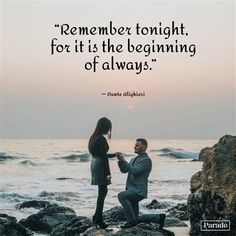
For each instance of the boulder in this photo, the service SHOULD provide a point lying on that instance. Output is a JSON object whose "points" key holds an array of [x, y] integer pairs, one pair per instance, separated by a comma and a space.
{"points": [[213, 189], [157, 205], [114, 216], [174, 222], [73, 227], [34, 204], [10, 227], [180, 211], [48, 218], [204, 153]]}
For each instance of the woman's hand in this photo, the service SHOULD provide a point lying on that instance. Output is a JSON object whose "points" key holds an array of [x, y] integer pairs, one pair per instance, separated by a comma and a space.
{"points": [[109, 177]]}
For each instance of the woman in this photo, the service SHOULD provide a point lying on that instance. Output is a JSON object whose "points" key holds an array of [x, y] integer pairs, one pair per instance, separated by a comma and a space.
{"points": [[100, 169]]}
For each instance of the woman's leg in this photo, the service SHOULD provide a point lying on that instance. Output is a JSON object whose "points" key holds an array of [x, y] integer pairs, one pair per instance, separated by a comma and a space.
{"points": [[102, 192]]}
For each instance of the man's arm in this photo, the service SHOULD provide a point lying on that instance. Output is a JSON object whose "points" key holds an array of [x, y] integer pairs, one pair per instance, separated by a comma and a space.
{"points": [[122, 166], [121, 161], [143, 166]]}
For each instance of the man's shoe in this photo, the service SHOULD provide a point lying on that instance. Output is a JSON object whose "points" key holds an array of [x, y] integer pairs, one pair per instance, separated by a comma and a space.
{"points": [[129, 224], [162, 221]]}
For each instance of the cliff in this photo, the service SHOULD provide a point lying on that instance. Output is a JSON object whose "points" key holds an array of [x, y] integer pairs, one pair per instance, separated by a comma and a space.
{"points": [[213, 190]]}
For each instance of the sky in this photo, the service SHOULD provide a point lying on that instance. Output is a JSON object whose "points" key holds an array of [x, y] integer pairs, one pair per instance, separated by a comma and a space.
{"points": [[54, 96]]}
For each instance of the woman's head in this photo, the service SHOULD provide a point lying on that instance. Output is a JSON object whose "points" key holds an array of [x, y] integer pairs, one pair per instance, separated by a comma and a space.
{"points": [[103, 126]]}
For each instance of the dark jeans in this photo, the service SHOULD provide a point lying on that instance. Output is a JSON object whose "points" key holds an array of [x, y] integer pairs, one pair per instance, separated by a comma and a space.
{"points": [[102, 192], [130, 202]]}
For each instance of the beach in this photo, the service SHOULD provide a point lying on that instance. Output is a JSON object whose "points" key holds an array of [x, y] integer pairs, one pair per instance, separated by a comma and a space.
{"points": [[58, 171]]}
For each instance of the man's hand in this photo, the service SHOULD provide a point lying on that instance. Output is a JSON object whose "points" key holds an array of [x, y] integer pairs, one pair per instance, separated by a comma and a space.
{"points": [[109, 177], [119, 156]]}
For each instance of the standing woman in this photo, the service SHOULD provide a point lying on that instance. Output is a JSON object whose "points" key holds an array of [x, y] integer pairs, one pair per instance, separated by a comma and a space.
{"points": [[100, 169]]}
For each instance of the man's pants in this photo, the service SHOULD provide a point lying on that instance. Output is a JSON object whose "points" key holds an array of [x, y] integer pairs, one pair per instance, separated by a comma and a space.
{"points": [[130, 202]]}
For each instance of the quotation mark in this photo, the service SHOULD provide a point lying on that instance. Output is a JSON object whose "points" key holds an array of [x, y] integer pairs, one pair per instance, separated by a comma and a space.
{"points": [[56, 25], [153, 60]]}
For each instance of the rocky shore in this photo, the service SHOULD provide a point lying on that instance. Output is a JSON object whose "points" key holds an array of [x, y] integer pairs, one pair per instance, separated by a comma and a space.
{"points": [[55, 220], [213, 197], [213, 190]]}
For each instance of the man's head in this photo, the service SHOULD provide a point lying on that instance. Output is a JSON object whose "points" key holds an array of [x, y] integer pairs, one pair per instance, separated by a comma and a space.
{"points": [[140, 146]]}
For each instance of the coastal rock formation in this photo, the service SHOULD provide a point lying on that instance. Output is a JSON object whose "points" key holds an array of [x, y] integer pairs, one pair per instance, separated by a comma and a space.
{"points": [[48, 218], [174, 222], [115, 215], [73, 227], [141, 229], [34, 204], [157, 205], [180, 211], [9, 227], [62, 221], [213, 190]]}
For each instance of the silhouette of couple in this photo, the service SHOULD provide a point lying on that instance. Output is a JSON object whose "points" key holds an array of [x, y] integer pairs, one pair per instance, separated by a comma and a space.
{"points": [[138, 170]]}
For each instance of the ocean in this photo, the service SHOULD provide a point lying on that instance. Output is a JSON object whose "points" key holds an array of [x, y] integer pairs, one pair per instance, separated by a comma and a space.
{"points": [[58, 171]]}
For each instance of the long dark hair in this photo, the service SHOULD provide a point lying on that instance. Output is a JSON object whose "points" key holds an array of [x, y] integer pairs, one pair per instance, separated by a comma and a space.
{"points": [[103, 127]]}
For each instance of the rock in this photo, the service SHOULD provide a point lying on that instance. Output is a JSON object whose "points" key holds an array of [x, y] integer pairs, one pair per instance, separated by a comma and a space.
{"points": [[63, 178], [157, 205], [34, 204], [10, 227], [204, 153], [7, 218], [73, 227], [48, 218], [179, 211], [213, 189], [141, 229], [114, 215], [174, 222], [196, 181]]}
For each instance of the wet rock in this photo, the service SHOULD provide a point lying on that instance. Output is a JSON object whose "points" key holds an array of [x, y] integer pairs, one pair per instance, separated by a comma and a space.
{"points": [[174, 222], [34, 204], [10, 227], [141, 229], [114, 215], [157, 205], [180, 211], [213, 189], [196, 181], [48, 218], [73, 227], [204, 153]]}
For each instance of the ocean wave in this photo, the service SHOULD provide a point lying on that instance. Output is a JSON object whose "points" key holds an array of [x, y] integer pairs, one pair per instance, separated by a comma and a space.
{"points": [[173, 182], [28, 163], [76, 157], [2, 153], [180, 197], [13, 196], [178, 153], [5, 157], [58, 196]]}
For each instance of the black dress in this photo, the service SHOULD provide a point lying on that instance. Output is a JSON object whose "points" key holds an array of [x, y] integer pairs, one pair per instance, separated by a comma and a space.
{"points": [[99, 165]]}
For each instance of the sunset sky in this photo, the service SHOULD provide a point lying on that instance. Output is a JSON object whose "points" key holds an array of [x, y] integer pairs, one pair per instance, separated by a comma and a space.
{"points": [[53, 96]]}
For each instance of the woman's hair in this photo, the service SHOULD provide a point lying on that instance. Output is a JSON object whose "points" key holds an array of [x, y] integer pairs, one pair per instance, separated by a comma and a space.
{"points": [[103, 127]]}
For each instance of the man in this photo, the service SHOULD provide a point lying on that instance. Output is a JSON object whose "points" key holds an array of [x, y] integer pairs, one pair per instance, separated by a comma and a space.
{"points": [[138, 170]]}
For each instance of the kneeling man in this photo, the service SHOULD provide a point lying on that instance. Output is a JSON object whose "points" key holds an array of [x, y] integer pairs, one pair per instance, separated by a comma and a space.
{"points": [[138, 170]]}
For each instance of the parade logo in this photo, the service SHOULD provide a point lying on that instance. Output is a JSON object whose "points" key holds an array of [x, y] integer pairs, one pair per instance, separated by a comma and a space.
{"points": [[215, 225]]}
